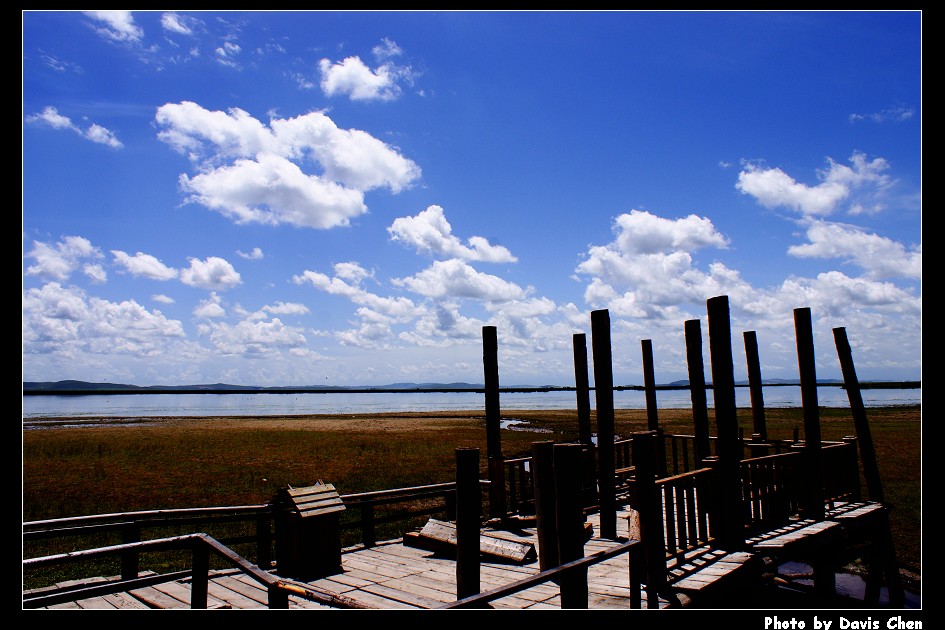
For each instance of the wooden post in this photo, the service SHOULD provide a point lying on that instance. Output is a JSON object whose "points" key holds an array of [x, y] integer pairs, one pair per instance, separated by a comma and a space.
{"points": [[496, 465], [543, 481], [700, 413], [582, 388], [468, 521], [652, 413], [200, 575], [874, 485], [729, 515], [130, 533], [824, 576], [570, 523], [650, 508], [604, 395], [759, 425], [814, 504]]}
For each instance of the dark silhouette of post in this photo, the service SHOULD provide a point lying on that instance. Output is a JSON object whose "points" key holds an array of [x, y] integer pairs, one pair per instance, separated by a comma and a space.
{"points": [[874, 486], [496, 464], [543, 482], [700, 409], [755, 386], [729, 534], [468, 521], [652, 413], [864, 437], [650, 508], [582, 388], [570, 523], [813, 465], [604, 395]]}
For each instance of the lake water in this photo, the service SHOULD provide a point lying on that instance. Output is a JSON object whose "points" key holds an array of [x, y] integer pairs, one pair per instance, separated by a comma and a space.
{"points": [[266, 404]]}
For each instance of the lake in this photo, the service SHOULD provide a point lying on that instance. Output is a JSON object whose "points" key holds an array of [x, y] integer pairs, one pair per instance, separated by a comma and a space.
{"points": [[267, 404]]}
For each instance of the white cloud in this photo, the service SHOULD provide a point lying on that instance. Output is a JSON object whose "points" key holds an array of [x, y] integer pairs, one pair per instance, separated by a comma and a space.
{"points": [[227, 53], [286, 308], [774, 188], [210, 308], [643, 233], [254, 339], [255, 254], [352, 77], [65, 321], [455, 279], [163, 299], [346, 283], [144, 265], [430, 232], [252, 173], [118, 25], [897, 113], [880, 257], [96, 133], [213, 273], [60, 260], [176, 24]]}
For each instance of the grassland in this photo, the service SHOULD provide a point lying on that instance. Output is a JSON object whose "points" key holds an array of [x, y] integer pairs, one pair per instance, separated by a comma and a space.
{"points": [[167, 463]]}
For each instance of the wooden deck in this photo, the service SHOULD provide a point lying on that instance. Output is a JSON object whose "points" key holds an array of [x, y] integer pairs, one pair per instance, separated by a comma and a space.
{"points": [[392, 575]]}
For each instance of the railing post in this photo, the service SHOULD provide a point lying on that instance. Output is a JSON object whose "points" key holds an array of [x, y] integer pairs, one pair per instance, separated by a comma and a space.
{"points": [[278, 598], [650, 509], [570, 523], [700, 414], [264, 540], [543, 481], [200, 575], [729, 516], [468, 522], [130, 533], [368, 538], [496, 465], [604, 395]]}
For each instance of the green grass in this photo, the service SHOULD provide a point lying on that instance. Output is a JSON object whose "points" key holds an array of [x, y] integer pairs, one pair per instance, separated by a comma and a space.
{"points": [[75, 472]]}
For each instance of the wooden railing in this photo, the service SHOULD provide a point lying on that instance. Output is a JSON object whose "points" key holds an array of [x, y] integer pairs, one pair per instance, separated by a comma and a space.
{"points": [[201, 547]]}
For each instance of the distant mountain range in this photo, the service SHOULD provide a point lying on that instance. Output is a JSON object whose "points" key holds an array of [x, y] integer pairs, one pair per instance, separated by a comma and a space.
{"points": [[80, 387]]}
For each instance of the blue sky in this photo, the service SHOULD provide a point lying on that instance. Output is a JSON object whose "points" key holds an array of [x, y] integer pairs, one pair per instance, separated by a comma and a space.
{"points": [[282, 198]]}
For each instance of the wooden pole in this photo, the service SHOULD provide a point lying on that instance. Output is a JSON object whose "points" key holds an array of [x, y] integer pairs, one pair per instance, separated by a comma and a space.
{"points": [[496, 465], [543, 481], [582, 388], [570, 523], [650, 507], [652, 413], [700, 413], [729, 512], [864, 437], [604, 395], [803, 328], [468, 521], [755, 386]]}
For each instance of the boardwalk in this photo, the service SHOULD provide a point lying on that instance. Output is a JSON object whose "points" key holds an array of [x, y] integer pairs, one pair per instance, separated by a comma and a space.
{"points": [[391, 576]]}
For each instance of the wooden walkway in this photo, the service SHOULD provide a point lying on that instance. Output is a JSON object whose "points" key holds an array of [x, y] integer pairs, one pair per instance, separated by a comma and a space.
{"points": [[392, 575]]}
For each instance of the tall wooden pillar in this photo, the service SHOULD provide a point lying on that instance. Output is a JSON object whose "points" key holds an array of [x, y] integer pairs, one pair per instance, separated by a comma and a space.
{"points": [[468, 522], [582, 388], [604, 395], [700, 413], [728, 447], [496, 464], [652, 412], [755, 385]]}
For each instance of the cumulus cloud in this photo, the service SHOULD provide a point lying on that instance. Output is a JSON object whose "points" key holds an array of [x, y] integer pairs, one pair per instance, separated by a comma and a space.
{"points": [[60, 260], [254, 174], [163, 299], [429, 232], [352, 77], [213, 273], [455, 279], [773, 188], [94, 132], [347, 282], [117, 26], [210, 308], [65, 321], [254, 339], [879, 256], [144, 265], [286, 308]]}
